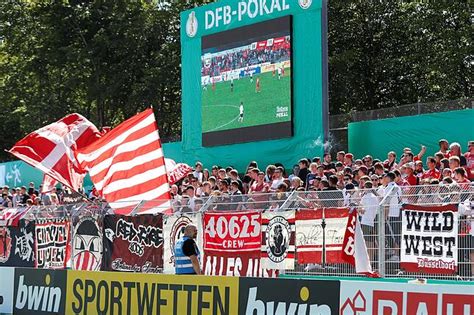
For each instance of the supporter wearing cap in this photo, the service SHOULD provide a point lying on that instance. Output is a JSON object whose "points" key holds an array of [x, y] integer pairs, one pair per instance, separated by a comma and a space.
{"points": [[419, 171], [447, 173], [411, 179], [303, 173], [431, 172], [443, 147], [339, 166], [469, 155]]}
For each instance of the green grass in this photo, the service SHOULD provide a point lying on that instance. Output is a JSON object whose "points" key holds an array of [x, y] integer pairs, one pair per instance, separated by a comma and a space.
{"points": [[220, 108]]}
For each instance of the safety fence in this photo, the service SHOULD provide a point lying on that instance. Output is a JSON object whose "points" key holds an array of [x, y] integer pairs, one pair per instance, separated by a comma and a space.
{"points": [[414, 232], [28, 291]]}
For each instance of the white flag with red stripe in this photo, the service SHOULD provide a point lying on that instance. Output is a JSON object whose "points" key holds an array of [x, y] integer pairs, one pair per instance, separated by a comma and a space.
{"points": [[354, 249], [127, 165], [51, 148]]}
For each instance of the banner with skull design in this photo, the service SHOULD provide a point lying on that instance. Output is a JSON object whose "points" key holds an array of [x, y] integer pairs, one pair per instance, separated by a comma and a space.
{"points": [[87, 245], [278, 240], [173, 228], [17, 244], [133, 244]]}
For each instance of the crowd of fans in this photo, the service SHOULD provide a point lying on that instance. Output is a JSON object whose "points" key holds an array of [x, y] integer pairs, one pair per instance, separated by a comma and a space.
{"points": [[218, 64], [31, 196]]}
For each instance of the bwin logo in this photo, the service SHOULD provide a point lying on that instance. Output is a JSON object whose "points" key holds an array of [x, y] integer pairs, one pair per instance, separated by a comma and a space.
{"points": [[38, 298], [282, 308]]}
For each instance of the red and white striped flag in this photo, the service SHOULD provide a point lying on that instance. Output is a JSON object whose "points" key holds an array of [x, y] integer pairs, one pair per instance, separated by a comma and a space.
{"points": [[48, 184], [51, 148], [127, 165]]}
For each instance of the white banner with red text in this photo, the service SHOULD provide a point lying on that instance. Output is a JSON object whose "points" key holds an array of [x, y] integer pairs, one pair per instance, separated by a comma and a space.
{"points": [[315, 225]]}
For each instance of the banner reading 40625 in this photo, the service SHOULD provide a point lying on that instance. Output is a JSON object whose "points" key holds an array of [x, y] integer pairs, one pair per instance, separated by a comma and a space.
{"points": [[232, 243]]}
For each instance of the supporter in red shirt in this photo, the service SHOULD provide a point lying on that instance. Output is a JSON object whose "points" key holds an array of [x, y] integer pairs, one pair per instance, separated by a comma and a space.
{"points": [[419, 168], [411, 179], [443, 147], [469, 155], [348, 159], [460, 177], [399, 180], [259, 187], [432, 172]]}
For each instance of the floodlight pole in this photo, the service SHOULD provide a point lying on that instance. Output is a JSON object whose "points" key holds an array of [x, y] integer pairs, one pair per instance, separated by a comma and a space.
{"points": [[325, 74]]}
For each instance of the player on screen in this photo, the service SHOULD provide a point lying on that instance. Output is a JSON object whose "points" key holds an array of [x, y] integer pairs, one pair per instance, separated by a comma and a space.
{"points": [[251, 77], [279, 73], [231, 85], [257, 85], [241, 110]]}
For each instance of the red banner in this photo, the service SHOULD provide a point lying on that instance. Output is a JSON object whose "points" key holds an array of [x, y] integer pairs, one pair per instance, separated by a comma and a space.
{"points": [[232, 243], [232, 231], [310, 231]]}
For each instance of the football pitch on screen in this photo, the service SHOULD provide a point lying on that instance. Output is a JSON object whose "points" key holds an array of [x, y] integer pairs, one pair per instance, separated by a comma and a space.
{"points": [[220, 106]]}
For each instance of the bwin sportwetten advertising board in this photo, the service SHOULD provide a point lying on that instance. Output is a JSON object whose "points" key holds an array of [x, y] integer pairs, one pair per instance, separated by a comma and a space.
{"points": [[34, 291]]}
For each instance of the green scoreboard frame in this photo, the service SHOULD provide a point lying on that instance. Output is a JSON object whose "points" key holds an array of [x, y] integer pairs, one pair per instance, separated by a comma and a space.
{"points": [[309, 80]]}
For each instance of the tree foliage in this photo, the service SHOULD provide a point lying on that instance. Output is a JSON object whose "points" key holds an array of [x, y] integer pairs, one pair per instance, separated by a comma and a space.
{"points": [[112, 58]]}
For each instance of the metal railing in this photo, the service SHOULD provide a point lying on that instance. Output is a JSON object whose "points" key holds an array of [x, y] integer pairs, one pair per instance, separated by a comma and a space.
{"points": [[382, 239]]}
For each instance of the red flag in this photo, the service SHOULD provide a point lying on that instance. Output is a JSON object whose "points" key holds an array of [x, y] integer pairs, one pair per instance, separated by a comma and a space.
{"points": [[51, 148], [127, 165], [48, 184]]}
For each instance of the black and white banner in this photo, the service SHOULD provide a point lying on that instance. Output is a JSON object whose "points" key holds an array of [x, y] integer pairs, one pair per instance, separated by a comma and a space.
{"points": [[278, 240], [87, 245], [173, 228], [429, 239]]}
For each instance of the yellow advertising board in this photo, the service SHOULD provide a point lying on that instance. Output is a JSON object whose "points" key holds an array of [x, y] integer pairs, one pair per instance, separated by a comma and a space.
{"points": [[129, 293]]}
